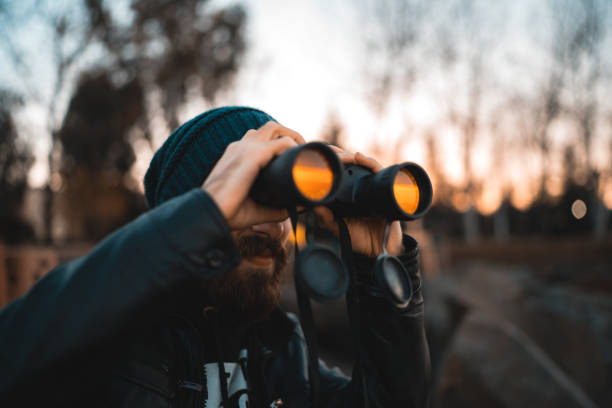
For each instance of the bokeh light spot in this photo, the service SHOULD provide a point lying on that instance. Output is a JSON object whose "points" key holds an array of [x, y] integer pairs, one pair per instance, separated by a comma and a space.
{"points": [[579, 209]]}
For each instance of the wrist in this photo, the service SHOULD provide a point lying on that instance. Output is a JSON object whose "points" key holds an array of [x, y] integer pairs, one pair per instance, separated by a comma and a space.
{"points": [[395, 245]]}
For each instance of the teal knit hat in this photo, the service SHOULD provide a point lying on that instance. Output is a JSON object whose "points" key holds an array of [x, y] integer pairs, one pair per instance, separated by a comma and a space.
{"points": [[191, 151]]}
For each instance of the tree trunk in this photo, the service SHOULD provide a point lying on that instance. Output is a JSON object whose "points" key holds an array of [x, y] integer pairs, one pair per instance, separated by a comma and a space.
{"points": [[470, 226], [501, 224]]}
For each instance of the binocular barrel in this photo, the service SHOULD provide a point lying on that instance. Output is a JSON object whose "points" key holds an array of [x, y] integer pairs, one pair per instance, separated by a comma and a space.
{"points": [[309, 174], [399, 192], [312, 174]]}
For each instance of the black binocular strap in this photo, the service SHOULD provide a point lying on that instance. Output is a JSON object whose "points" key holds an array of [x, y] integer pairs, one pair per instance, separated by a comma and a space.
{"points": [[352, 301], [307, 320]]}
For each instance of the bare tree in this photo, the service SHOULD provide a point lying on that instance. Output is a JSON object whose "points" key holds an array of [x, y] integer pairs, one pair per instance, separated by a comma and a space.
{"points": [[443, 190], [393, 31], [501, 150], [576, 31], [15, 161], [469, 43], [165, 46], [585, 63], [172, 45], [401, 30], [70, 40], [333, 131]]}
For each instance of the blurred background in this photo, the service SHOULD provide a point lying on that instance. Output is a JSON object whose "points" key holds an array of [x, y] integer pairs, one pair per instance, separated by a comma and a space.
{"points": [[505, 104]]}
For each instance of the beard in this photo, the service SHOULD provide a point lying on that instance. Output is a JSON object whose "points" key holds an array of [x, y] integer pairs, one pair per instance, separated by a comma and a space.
{"points": [[249, 293]]}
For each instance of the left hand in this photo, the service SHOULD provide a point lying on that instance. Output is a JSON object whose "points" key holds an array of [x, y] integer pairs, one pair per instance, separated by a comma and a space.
{"points": [[366, 233]]}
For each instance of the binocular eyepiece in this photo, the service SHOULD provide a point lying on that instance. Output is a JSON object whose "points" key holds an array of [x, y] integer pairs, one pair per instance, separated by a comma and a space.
{"points": [[311, 174]]}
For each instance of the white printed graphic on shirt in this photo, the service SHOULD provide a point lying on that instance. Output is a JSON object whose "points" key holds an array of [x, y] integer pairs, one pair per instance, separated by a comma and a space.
{"points": [[235, 383]]}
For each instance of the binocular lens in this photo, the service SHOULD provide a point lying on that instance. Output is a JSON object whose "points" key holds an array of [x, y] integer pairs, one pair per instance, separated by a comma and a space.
{"points": [[305, 175], [321, 273], [406, 191], [312, 174]]}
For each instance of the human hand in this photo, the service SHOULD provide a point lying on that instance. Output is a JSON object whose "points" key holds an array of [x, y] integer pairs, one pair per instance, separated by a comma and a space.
{"points": [[231, 179], [367, 232]]}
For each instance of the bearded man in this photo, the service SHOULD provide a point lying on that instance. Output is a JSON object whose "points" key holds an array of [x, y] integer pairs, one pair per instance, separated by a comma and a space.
{"points": [[179, 308]]}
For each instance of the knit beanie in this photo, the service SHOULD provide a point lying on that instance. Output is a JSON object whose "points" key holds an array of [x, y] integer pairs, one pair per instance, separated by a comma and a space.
{"points": [[188, 155]]}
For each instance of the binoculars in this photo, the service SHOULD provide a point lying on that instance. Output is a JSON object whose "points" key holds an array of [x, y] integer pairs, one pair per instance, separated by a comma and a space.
{"points": [[311, 175]]}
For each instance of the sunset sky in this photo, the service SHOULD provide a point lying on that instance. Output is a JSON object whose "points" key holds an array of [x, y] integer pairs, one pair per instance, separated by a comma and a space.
{"points": [[307, 60]]}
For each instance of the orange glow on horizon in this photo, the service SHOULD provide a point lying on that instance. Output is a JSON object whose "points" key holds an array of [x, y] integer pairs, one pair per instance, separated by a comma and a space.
{"points": [[554, 186], [606, 192], [461, 201], [301, 236], [521, 199], [489, 201]]}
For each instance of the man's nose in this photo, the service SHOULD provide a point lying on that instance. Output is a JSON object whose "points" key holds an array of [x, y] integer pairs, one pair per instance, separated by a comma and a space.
{"points": [[273, 230]]}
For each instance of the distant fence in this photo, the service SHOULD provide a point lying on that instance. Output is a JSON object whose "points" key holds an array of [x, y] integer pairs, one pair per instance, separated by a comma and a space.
{"points": [[23, 265], [530, 250]]}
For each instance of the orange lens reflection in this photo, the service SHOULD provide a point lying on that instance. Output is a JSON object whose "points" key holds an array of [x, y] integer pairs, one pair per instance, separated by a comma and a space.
{"points": [[312, 174], [406, 191], [299, 236]]}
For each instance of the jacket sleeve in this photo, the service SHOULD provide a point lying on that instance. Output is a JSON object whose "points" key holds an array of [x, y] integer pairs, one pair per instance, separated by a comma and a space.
{"points": [[81, 309], [393, 366]]}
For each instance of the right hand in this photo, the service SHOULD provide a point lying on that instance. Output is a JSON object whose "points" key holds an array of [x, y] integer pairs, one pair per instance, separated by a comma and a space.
{"points": [[366, 232], [231, 179]]}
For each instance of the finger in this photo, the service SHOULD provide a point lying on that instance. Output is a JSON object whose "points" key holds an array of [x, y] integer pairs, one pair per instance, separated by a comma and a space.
{"points": [[338, 150], [344, 156], [277, 146], [347, 159], [264, 152], [326, 219], [368, 162], [285, 131], [272, 130], [268, 150]]}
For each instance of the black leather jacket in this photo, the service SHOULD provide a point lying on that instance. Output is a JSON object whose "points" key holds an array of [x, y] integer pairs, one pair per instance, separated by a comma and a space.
{"points": [[108, 329]]}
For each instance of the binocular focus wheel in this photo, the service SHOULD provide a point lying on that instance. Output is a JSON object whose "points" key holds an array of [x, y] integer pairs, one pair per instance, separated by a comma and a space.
{"points": [[393, 280], [321, 273]]}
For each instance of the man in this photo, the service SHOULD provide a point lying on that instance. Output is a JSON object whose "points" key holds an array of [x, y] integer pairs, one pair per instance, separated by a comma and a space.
{"points": [[179, 307]]}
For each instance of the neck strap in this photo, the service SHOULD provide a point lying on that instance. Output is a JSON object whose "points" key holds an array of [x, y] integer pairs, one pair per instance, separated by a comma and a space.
{"points": [[307, 320]]}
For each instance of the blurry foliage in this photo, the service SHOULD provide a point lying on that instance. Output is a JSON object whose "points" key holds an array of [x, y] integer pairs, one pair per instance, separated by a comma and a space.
{"points": [[15, 162], [133, 61], [97, 156], [94, 131], [502, 99], [333, 132], [393, 30], [552, 218], [172, 49]]}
